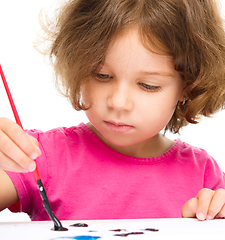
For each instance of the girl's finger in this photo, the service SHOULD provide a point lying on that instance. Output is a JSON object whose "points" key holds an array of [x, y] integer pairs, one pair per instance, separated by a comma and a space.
{"points": [[204, 200], [221, 214], [217, 205], [9, 165], [33, 140], [189, 209]]}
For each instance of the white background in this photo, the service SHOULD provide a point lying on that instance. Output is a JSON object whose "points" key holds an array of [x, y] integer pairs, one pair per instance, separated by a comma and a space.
{"points": [[30, 79]]}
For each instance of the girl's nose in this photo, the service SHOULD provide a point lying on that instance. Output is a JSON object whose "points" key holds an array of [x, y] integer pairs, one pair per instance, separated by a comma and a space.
{"points": [[120, 98]]}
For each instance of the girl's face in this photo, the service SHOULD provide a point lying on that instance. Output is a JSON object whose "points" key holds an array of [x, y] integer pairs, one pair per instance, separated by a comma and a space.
{"points": [[133, 96]]}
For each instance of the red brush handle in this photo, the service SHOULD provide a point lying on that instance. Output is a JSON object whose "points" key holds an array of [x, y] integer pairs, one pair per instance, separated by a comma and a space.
{"points": [[15, 113]]}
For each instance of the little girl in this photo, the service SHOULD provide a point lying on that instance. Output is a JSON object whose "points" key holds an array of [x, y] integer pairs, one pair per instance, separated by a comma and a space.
{"points": [[135, 67]]}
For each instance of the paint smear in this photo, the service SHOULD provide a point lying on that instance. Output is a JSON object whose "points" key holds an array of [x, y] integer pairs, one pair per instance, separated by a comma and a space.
{"points": [[79, 225], [127, 234]]}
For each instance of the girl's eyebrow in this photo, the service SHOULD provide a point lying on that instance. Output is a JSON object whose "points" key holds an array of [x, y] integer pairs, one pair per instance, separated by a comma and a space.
{"points": [[162, 73]]}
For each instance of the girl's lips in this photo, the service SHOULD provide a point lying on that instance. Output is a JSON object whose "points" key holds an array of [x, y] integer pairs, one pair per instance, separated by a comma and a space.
{"points": [[118, 127]]}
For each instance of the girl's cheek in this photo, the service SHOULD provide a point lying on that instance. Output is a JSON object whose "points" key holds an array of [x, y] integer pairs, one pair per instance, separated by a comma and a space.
{"points": [[86, 93]]}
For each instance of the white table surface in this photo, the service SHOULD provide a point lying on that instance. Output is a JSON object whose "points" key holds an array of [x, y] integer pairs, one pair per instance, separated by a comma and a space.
{"points": [[168, 229]]}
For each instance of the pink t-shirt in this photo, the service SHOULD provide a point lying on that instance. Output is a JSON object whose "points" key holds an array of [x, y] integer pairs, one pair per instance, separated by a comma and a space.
{"points": [[85, 179]]}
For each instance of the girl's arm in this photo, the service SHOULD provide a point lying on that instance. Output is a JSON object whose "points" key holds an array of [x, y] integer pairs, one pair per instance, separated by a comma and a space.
{"points": [[8, 193], [207, 204]]}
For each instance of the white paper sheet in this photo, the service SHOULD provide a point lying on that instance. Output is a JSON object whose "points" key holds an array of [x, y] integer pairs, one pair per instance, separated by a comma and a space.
{"points": [[168, 229]]}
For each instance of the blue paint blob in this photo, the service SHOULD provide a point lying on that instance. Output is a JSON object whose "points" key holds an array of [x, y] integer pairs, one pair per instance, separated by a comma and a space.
{"points": [[86, 238], [80, 237]]}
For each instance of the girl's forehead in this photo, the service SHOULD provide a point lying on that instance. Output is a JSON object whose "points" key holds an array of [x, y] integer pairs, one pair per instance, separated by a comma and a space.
{"points": [[131, 44], [134, 36]]}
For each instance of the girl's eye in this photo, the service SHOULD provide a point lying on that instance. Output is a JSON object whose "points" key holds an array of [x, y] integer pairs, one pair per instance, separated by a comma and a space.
{"points": [[150, 88], [102, 77]]}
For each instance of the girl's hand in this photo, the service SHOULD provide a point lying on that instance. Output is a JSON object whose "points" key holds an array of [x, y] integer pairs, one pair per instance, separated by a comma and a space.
{"points": [[17, 149], [207, 204]]}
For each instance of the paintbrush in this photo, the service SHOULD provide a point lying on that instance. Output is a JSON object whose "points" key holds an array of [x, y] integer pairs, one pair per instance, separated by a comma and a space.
{"points": [[57, 224]]}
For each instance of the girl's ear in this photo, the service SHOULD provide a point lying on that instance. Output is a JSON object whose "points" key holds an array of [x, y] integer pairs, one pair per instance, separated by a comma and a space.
{"points": [[183, 97]]}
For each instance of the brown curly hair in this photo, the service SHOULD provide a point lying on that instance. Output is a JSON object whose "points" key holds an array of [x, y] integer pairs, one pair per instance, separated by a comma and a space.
{"points": [[192, 31]]}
